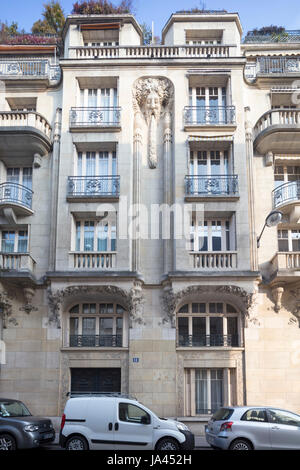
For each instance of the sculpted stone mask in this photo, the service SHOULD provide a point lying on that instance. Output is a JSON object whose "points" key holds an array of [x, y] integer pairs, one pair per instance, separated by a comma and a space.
{"points": [[152, 104]]}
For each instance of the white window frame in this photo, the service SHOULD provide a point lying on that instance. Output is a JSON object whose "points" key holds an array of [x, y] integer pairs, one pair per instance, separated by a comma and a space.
{"points": [[207, 92], [98, 225], [16, 240], [196, 228], [100, 94], [197, 155], [111, 156], [289, 238], [229, 386]]}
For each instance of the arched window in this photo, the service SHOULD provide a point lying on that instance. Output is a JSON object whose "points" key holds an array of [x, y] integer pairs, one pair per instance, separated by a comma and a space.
{"points": [[208, 324], [97, 325]]}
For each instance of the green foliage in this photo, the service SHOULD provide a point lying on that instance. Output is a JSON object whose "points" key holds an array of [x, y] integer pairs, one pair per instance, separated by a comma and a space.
{"points": [[101, 7], [53, 22], [267, 31]]}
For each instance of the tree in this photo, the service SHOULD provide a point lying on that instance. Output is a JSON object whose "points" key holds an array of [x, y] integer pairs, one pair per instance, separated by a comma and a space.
{"points": [[101, 7], [54, 19]]}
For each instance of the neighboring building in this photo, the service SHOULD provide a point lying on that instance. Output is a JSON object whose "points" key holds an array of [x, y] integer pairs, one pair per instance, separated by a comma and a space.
{"points": [[205, 122]]}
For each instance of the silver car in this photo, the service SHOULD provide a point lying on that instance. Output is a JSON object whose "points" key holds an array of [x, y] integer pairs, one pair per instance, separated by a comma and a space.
{"points": [[253, 427]]}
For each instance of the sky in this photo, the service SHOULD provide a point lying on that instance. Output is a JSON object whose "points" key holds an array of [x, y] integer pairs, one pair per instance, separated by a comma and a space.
{"points": [[253, 13]]}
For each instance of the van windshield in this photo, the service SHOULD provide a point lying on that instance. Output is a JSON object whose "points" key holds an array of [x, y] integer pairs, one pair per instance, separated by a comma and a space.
{"points": [[13, 409]]}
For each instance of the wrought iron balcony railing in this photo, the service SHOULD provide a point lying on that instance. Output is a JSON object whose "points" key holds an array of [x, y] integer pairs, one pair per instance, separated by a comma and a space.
{"points": [[95, 341], [286, 193], [209, 115], [94, 186], [13, 193], [95, 117], [280, 65], [211, 185], [29, 68], [203, 340]]}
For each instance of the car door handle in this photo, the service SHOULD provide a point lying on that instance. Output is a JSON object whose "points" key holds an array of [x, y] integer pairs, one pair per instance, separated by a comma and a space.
{"points": [[275, 427], [116, 426], [110, 426]]}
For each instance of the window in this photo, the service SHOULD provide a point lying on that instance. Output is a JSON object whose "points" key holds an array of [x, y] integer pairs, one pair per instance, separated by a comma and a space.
{"points": [[208, 104], [133, 414], [14, 241], [257, 415], [283, 417], [211, 235], [207, 390], [96, 163], [208, 324], [289, 240], [95, 235], [97, 325], [284, 174], [208, 162]]}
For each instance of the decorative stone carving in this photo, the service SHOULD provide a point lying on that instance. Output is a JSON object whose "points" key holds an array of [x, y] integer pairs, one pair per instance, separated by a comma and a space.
{"points": [[37, 160], [269, 159], [277, 293], [171, 300], [295, 306], [136, 302], [132, 301], [28, 307], [6, 303], [153, 98]]}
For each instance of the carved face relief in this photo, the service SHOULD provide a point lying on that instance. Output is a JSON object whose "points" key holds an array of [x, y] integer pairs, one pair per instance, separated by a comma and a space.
{"points": [[152, 105]]}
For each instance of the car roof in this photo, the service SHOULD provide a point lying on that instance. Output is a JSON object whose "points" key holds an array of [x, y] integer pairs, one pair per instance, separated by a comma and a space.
{"points": [[12, 400]]}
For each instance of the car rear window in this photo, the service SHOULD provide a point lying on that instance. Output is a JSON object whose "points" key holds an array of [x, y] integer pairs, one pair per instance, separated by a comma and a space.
{"points": [[222, 414]]}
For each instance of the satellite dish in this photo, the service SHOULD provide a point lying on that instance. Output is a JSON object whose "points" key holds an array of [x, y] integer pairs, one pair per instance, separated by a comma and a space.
{"points": [[274, 218]]}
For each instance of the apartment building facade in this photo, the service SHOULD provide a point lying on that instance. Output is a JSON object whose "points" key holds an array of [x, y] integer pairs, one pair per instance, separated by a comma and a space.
{"points": [[134, 182]]}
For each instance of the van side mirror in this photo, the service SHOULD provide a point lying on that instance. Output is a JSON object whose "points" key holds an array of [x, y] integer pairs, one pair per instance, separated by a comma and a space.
{"points": [[145, 420]]}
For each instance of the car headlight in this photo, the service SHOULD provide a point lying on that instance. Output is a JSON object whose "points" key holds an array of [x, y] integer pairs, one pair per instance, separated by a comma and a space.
{"points": [[31, 428], [182, 427]]}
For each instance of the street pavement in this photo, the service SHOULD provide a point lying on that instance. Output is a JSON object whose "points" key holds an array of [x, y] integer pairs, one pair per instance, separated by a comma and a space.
{"points": [[200, 444]]}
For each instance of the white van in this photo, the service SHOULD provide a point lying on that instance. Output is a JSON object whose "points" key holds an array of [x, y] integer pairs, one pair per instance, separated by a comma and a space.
{"points": [[114, 422]]}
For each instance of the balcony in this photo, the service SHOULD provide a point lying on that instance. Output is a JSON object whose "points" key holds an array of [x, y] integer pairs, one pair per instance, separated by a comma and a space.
{"points": [[30, 70], [272, 67], [214, 261], [286, 194], [285, 267], [96, 341], [208, 116], [16, 196], [22, 134], [85, 188], [93, 260], [16, 262], [278, 131], [216, 340], [95, 119], [153, 52], [212, 187]]}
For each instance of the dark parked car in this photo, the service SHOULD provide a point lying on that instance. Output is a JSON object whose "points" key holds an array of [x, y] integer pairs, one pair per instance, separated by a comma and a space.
{"points": [[19, 429]]}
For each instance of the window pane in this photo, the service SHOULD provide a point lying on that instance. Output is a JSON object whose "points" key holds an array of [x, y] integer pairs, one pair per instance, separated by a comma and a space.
{"points": [[89, 236], [199, 331], [203, 237], [183, 331], [8, 242], [132, 414], [22, 241], [102, 237], [232, 331], [106, 326], [256, 415], [216, 389], [73, 326], [201, 391], [216, 331], [284, 417], [216, 230], [89, 326], [199, 308]]}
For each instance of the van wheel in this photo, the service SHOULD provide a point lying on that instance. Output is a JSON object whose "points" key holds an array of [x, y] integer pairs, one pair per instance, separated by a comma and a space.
{"points": [[167, 443], [7, 442], [77, 443], [240, 444]]}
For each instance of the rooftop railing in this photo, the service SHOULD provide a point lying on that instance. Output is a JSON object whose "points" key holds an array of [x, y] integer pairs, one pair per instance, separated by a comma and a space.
{"points": [[285, 36]]}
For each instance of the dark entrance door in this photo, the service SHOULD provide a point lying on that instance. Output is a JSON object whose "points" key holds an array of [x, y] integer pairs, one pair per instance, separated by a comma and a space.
{"points": [[96, 380]]}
